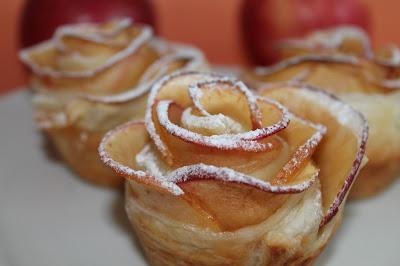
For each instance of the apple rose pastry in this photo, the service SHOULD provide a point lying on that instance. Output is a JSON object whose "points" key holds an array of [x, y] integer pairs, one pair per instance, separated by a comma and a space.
{"points": [[341, 61], [218, 176], [92, 77]]}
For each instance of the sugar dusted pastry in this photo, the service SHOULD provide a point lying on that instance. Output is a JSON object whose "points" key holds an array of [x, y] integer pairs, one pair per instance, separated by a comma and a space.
{"points": [[343, 39], [219, 176], [90, 78], [341, 61]]}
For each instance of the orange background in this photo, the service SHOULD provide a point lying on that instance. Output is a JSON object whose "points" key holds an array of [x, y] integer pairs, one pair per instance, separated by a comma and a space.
{"points": [[211, 25]]}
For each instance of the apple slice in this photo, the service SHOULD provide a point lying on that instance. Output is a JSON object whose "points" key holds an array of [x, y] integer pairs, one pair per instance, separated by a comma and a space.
{"points": [[340, 153], [342, 39], [232, 206], [334, 73]]}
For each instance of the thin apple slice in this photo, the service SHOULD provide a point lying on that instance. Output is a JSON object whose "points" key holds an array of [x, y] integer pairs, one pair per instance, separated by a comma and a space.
{"points": [[345, 39], [169, 205], [340, 154], [113, 149], [334, 73], [91, 39], [232, 206], [182, 58]]}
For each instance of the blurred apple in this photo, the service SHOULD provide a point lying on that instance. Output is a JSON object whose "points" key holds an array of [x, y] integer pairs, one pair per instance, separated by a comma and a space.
{"points": [[265, 22], [41, 17]]}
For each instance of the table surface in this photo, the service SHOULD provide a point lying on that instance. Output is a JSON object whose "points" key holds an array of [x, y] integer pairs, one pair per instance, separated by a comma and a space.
{"points": [[50, 217]]}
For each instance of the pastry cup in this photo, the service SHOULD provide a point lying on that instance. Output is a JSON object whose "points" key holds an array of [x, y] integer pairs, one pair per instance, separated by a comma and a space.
{"points": [[341, 61], [219, 176], [90, 78]]}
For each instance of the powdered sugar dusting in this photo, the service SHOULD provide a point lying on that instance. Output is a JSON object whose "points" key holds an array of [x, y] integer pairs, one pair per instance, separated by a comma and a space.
{"points": [[224, 141], [350, 118], [244, 141], [195, 94], [91, 32], [345, 114], [331, 58], [128, 172], [156, 70], [149, 161], [203, 171], [169, 180], [218, 124], [132, 47], [331, 39], [393, 60], [391, 83]]}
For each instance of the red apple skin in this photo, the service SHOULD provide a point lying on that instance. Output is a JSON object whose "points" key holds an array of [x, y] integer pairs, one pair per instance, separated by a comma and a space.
{"points": [[264, 22], [40, 18]]}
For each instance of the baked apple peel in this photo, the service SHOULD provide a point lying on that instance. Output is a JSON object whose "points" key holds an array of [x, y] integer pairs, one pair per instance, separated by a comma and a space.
{"points": [[330, 109]]}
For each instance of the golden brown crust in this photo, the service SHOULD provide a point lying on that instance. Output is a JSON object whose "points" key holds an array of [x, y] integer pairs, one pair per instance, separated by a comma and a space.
{"points": [[78, 148], [374, 178], [166, 243]]}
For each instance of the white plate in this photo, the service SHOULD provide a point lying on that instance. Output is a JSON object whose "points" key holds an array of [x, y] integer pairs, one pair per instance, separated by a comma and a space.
{"points": [[50, 217]]}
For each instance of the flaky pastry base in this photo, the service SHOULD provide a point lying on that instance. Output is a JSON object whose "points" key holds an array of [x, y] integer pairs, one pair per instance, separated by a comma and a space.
{"points": [[168, 242]]}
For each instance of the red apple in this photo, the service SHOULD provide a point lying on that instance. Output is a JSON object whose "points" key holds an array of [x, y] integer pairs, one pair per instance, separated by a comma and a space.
{"points": [[41, 17], [265, 22]]}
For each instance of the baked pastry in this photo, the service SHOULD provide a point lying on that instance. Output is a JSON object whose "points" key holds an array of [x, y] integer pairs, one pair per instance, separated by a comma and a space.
{"points": [[342, 62], [219, 176], [90, 78]]}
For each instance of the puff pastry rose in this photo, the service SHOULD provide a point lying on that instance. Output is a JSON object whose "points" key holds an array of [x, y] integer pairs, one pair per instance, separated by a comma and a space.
{"points": [[90, 78], [341, 61], [219, 176]]}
